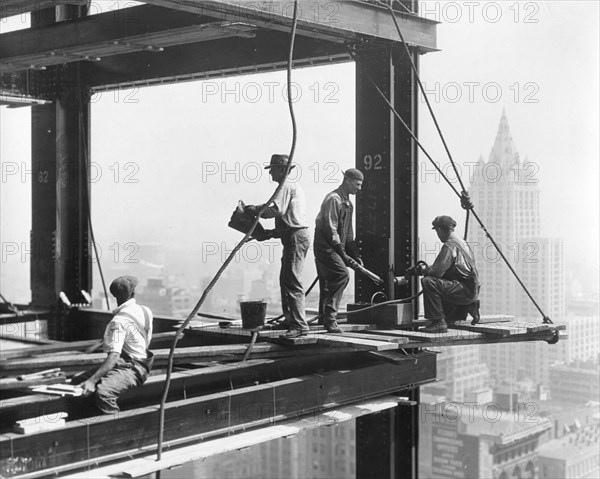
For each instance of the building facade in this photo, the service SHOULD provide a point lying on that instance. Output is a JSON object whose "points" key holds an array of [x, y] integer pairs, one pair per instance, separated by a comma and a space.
{"points": [[575, 383], [461, 440], [506, 193], [574, 456]]}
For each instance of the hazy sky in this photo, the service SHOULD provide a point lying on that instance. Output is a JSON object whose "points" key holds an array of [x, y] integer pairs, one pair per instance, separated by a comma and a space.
{"points": [[171, 162]]}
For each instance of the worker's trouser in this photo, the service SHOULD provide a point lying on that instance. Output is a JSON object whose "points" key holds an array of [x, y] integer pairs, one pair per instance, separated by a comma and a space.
{"points": [[333, 279], [295, 246], [124, 375], [440, 294]]}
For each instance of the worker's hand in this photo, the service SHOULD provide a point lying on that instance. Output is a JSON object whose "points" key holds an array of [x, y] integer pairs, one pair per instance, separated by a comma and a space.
{"points": [[88, 387], [252, 210], [359, 260], [412, 271], [421, 267], [268, 235], [351, 263]]}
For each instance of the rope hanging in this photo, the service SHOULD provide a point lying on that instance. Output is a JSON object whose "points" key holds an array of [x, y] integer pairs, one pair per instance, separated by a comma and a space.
{"points": [[463, 195], [244, 240]]}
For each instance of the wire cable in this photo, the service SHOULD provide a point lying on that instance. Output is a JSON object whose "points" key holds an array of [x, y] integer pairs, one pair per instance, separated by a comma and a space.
{"points": [[245, 239], [83, 130], [464, 195]]}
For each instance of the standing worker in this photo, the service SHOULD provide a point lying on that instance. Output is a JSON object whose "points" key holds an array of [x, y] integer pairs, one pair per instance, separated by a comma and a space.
{"points": [[126, 340], [451, 284], [289, 210], [335, 248]]}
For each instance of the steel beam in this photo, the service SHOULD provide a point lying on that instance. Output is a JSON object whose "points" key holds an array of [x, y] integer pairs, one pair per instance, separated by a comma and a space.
{"points": [[210, 416], [268, 51], [385, 152], [144, 28], [337, 20], [60, 259], [387, 231], [386, 442]]}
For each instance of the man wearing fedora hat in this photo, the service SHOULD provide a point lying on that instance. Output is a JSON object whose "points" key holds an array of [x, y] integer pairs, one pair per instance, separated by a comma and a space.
{"points": [[289, 210], [335, 248], [126, 340], [451, 284]]}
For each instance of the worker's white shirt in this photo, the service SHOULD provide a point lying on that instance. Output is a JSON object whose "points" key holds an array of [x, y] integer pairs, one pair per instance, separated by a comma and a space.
{"points": [[288, 208], [128, 331]]}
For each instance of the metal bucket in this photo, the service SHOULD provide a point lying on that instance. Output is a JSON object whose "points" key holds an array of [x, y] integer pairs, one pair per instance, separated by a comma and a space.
{"points": [[253, 314]]}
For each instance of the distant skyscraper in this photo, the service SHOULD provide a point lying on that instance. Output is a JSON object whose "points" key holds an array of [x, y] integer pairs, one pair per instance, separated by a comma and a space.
{"points": [[506, 194], [459, 372]]}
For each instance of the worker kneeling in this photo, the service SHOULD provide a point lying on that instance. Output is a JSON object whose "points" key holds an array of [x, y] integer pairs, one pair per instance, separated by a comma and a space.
{"points": [[126, 340], [451, 284]]}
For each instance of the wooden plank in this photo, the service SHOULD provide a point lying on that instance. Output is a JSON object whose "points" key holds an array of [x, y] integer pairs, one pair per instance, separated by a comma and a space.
{"points": [[359, 344], [15, 383], [494, 318], [23, 339], [59, 346], [377, 337], [83, 361], [502, 329], [212, 415], [299, 341], [438, 338]]}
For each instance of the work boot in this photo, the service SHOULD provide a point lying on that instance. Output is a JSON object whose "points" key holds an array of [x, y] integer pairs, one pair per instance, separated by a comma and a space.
{"points": [[282, 325], [332, 326], [456, 313], [294, 333], [473, 310], [437, 326]]}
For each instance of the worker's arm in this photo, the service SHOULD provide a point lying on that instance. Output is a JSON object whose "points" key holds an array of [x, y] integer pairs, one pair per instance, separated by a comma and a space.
{"points": [[441, 264], [330, 220], [89, 386], [278, 205]]}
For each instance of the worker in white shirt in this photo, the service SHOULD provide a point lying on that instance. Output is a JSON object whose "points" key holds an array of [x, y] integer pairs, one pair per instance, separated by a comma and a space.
{"points": [[126, 340], [289, 210]]}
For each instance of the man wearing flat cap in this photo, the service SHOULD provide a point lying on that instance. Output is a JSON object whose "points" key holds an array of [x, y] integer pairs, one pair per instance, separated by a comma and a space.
{"points": [[451, 284], [289, 210], [335, 248], [126, 340]]}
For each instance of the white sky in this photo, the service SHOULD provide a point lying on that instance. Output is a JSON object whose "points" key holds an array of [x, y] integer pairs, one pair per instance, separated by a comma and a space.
{"points": [[540, 57]]}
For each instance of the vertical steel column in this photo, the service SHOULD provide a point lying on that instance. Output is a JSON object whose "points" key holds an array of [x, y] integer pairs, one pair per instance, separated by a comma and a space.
{"points": [[386, 224], [387, 442], [60, 259], [375, 157], [43, 187], [386, 212]]}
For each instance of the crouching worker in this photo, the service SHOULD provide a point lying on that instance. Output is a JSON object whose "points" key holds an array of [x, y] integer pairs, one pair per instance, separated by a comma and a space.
{"points": [[451, 284], [126, 340]]}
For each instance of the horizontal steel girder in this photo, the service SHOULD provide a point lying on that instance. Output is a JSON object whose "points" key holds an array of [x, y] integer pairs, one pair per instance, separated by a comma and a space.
{"points": [[142, 28], [337, 20], [212, 415]]}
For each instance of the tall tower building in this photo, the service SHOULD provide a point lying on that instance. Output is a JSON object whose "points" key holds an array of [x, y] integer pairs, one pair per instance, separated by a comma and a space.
{"points": [[506, 193]]}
